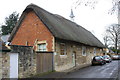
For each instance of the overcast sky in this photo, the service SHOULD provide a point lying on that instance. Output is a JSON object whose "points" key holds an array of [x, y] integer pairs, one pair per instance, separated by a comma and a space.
{"points": [[94, 20]]}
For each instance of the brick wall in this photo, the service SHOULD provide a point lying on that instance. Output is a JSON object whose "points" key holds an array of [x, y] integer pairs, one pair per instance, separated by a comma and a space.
{"points": [[31, 30]]}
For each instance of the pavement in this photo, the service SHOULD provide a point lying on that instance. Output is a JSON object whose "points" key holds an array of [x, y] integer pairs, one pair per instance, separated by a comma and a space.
{"points": [[58, 74]]}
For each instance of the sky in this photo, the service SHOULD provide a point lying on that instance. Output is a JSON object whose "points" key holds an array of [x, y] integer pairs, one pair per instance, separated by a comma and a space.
{"points": [[95, 20]]}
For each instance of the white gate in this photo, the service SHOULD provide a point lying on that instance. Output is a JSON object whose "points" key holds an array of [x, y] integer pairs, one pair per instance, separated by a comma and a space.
{"points": [[13, 65]]}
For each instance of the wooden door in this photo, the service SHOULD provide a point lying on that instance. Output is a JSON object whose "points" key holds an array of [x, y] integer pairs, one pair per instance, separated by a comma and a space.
{"points": [[44, 62]]}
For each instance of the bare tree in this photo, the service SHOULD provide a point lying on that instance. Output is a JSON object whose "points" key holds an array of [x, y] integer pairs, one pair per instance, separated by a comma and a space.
{"points": [[119, 42], [106, 40], [115, 7], [92, 4], [114, 34], [89, 3]]}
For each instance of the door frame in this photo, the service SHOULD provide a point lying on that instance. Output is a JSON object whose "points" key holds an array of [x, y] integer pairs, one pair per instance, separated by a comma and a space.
{"points": [[13, 65], [74, 58]]}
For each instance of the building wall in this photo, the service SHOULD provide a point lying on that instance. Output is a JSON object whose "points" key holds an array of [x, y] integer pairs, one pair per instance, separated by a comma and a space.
{"points": [[31, 62], [5, 65], [26, 60], [31, 31], [27, 65], [63, 62], [0, 65]]}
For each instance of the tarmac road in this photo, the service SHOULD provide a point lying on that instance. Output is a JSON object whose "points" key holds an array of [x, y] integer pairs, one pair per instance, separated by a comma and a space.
{"points": [[109, 70]]}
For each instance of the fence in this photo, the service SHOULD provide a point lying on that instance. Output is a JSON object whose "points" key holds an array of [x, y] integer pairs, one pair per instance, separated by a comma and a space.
{"points": [[44, 62]]}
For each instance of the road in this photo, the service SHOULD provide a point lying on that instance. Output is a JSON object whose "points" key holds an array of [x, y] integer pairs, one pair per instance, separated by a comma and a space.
{"points": [[109, 70]]}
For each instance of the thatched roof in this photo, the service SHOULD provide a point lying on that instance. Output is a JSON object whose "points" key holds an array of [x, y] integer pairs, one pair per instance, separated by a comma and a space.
{"points": [[60, 27]]}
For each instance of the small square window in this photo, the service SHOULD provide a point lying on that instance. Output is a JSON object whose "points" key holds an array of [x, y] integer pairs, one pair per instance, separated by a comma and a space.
{"points": [[42, 47]]}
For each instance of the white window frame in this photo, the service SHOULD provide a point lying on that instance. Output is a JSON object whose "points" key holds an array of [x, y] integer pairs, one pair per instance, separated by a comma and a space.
{"points": [[65, 49], [94, 51], [42, 47], [83, 51]]}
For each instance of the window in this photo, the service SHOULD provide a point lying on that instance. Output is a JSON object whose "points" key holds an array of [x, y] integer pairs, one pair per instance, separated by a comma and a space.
{"points": [[42, 47], [62, 49], [94, 51], [100, 50], [84, 51]]}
